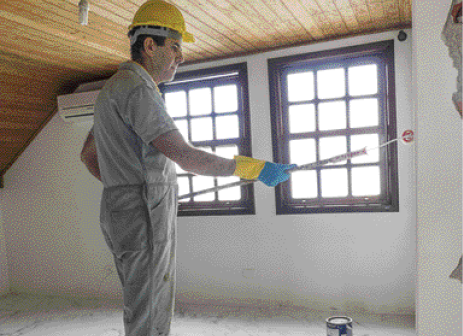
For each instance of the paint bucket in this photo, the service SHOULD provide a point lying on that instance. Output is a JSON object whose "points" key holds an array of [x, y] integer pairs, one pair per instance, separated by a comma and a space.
{"points": [[339, 326]]}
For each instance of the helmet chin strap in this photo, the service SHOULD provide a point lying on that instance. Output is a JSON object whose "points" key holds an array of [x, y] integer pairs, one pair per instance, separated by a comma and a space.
{"points": [[156, 31]]}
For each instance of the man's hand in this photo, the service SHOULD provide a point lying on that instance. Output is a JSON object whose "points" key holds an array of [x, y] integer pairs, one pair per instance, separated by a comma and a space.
{"points": [[267, 172], [274, 173], [89, 157]]}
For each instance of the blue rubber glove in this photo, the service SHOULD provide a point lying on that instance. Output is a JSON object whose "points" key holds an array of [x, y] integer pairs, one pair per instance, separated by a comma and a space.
{"points": [[274, 173]]}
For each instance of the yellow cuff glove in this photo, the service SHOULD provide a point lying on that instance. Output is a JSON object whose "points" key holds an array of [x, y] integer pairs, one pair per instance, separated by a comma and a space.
{"points": [[267, 172], [248, 168]]}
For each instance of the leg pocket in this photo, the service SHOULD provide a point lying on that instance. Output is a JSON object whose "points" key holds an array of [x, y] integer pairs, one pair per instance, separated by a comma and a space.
{"points": [[128, 229], [162, 205]]}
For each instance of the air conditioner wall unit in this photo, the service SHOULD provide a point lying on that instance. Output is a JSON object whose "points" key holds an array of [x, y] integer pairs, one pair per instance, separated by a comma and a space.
{"points": [[77, 107]]}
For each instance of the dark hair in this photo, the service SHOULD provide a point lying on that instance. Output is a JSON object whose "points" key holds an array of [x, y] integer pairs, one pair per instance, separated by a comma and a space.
{"points": [[137, 47]]}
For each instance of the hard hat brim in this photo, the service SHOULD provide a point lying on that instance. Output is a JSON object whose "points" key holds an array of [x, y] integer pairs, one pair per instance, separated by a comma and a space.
{"points": [[186, 37]]}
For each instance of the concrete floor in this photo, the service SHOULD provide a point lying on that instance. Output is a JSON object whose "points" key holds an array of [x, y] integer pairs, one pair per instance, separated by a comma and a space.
{"points": [[31, 315]]}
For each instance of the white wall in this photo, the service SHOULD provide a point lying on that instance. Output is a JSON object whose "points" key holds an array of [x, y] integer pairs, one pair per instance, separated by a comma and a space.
{"points": [[4, 279], [54, 245], [439, 158], [356, 262], [346, 261]]}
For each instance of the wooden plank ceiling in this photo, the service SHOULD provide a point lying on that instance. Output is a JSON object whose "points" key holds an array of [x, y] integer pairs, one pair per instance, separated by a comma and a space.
{"points": [[45, 52]]}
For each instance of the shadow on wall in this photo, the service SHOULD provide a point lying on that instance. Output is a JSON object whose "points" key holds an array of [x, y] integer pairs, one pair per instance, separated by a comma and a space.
{"points": [[456, 274]]}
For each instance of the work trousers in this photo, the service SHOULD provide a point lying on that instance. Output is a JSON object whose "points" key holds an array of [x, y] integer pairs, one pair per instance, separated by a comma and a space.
{"points": [[138, 223]]}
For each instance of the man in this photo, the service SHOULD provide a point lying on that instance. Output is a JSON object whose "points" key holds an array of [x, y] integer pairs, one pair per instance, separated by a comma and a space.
{"points": [[132, 150]]}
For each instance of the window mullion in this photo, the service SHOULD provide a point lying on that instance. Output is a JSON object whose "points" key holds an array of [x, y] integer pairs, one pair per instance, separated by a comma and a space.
{"points": [[214, 136], [317, 138]]}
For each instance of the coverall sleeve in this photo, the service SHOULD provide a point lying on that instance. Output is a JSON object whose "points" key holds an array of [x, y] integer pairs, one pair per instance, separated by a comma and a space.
{"points": [[147, 115]]}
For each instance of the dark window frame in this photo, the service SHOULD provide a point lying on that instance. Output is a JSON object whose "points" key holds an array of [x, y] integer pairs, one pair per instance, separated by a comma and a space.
{"points": [[383, 52], [211, 77]]}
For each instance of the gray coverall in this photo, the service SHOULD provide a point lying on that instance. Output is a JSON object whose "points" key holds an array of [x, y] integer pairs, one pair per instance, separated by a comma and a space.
{"points": [[139, 200]]}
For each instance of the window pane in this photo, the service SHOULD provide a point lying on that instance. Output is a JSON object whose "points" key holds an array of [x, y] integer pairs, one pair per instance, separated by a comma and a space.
{"points": [[183, 187], [333, 146], [362, 141], [364, 112], [230, 194], [304, 184], [363, 80], [182, 126], [302, 118], [334, 182], [227, 151], [366, 181], [302, 151], [227, 127], [200, 183], [332, 115], [206, 149], [301, 86], [331, 83], [179, 170], [201, 129], [200, 101], [176, 103], [225, 98]]}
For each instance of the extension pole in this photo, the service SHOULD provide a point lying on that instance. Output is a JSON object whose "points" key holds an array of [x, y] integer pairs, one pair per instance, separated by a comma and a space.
{"points": [[407, 137]]}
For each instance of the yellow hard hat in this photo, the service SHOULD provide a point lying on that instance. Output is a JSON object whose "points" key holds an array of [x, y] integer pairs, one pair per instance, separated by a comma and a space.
{"points": [[163, 14]]}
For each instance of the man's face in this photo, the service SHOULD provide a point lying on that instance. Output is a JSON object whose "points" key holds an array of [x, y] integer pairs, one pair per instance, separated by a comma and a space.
{"points": [[166, 59]]}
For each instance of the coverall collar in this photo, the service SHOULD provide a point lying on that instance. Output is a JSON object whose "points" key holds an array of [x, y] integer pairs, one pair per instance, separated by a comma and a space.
{"points": [[139, 70]]}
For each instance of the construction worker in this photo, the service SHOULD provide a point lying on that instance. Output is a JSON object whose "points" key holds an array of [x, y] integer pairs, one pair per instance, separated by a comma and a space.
{"points": [[132, 149]]}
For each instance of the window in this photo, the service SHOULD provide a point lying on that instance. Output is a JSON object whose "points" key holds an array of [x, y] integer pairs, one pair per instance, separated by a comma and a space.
{"points": [[328, 103], [211, 110]]}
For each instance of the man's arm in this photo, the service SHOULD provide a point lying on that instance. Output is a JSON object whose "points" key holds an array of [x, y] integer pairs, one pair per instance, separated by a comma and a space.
{"points": [[89, 157], [192, 159]]}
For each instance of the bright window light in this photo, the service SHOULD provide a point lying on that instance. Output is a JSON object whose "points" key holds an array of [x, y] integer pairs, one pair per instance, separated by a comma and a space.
{"points": [[201, 129], [304, 184], [331, 83], [301, 86], [332, 115], [225, 98], [366, 181], [302, 118], [363, 80], [200, 101], [334, 182], [176, 103]]}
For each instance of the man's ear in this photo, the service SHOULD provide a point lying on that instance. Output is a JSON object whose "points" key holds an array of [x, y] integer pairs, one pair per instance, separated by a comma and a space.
{"points": [[149, 46]]}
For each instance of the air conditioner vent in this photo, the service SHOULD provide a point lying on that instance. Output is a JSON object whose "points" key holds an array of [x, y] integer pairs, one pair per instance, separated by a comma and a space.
{"points": [[77, 107]]}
